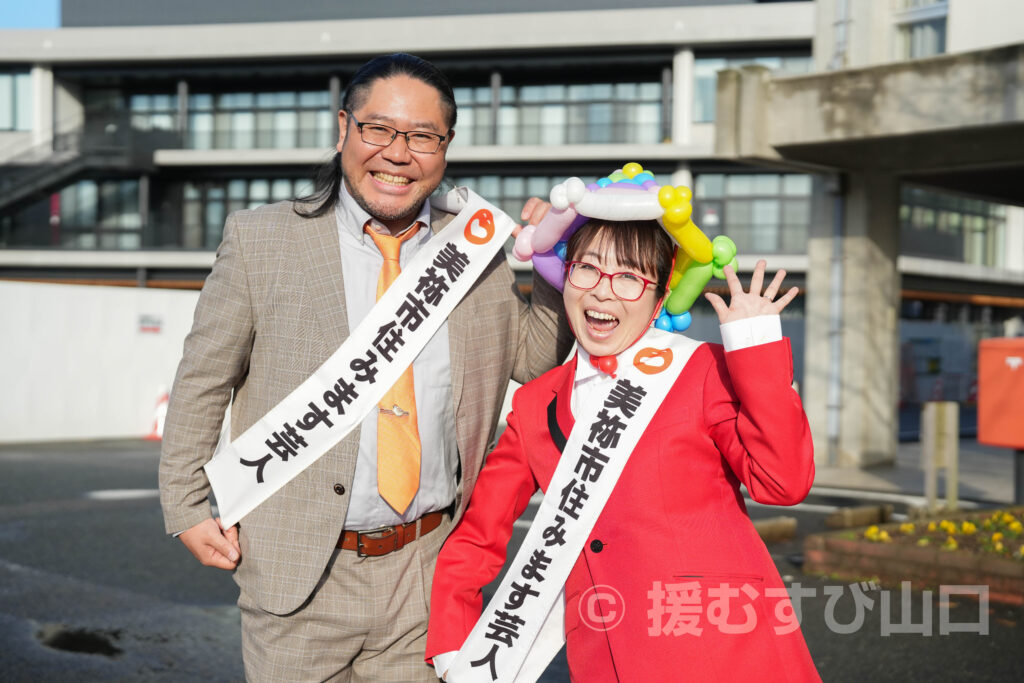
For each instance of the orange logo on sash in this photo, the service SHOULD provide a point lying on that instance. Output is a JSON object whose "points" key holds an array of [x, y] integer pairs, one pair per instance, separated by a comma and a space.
{"points": [[485, 220], [652, 361]]}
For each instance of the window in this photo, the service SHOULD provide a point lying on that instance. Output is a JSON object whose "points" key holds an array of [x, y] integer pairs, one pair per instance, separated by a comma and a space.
{"points": [[15, 100], [207, 204], [153, 111], [953, 228], [761, 212], [265, 120], [920, 28], [705, 74], [99, 215], [561, 114]]}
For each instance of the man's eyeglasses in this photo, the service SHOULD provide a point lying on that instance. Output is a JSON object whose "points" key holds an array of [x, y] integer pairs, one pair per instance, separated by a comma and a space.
{"points": [[627, 286], [379, 135]]}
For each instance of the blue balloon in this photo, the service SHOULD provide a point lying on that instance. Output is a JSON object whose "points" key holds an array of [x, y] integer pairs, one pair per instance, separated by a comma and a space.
{"points": [[682, 321], [664, 322], [560, 248]]}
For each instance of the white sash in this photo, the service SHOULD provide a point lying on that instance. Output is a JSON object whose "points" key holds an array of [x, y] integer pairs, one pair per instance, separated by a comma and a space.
{"points": [[341, 392], [522, 627]]}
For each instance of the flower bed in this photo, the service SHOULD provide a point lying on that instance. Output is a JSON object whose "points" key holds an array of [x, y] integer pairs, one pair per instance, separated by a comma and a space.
{"points": [[966, 548]]}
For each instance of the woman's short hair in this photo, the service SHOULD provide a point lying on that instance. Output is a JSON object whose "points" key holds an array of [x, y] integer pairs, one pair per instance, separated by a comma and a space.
{"points": [[641, 245]]}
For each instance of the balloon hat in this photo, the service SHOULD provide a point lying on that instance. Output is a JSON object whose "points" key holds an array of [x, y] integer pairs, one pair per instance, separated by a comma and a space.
{"points": [[630, 193]]}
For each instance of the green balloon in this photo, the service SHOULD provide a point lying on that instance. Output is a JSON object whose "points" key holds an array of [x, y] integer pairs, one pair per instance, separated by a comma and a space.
{"points": [[691, 284]]}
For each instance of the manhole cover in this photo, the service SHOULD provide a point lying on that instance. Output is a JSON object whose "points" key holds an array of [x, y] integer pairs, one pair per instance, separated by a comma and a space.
{"points": [[61, 637]]}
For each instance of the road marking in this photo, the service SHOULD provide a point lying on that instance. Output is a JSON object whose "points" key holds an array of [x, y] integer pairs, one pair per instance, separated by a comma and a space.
{"points": [[123, 494]]}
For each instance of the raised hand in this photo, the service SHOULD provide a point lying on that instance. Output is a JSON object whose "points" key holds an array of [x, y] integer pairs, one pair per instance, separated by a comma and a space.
{"points": [[753, 303]]}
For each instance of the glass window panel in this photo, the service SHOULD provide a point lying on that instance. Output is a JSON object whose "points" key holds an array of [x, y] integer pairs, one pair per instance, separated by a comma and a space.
{"points": [[796, 185], [243, 133], [6, 101], [200, 131], [765, 184], [108, 204], [315, 98], [739, 185], [131, 218], [200, 101], [766, 225], [463, 95], [325, 135], [650, 91], [285, 129], [508, 126], [514, 186], [710, 185], [307, 134], [264, 129], [165, 102], [259, 190], [23, 100], [553, 124], [140, 103], [281, 189], [237, 189]]}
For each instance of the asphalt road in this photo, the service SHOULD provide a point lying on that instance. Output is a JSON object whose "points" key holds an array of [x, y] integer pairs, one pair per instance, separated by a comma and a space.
{"points": [[92, 590]]}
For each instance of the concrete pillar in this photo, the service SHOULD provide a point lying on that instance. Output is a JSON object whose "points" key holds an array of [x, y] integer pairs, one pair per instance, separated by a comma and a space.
{"points": [[1013, 239], [42, 105], [682, 96], [851, 357]]}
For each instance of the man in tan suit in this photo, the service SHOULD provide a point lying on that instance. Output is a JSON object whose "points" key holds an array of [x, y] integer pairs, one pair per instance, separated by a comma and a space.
{"points": [[334, 581]]}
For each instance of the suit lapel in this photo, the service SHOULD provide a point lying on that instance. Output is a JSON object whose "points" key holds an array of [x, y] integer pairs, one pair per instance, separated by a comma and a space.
{"points": [[563, 403], [324, 277]]}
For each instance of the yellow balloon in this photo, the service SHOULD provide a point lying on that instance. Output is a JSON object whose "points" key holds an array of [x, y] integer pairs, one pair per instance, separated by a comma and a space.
{"points": [[632, 169]]}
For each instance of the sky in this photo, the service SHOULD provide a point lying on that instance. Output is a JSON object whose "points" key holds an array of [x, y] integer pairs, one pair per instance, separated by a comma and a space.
{"points": [[29, 13]]}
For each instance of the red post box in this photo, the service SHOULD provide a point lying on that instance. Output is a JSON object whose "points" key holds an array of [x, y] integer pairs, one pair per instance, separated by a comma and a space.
{"points": [[1001, 401], [1001, 392]]}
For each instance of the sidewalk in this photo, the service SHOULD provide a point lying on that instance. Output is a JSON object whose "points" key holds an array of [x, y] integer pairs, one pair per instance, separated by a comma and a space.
{"points": [[986, 474]]}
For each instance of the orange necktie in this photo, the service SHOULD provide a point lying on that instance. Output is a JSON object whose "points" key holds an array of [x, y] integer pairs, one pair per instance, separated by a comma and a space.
{"points": [[398, 439]]}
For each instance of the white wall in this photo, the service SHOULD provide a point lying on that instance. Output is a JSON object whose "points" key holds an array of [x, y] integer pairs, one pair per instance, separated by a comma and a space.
{"points": [[978, 24], [75, 363]]}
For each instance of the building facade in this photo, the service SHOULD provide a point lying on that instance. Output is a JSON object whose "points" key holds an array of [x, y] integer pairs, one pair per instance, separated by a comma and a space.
{"points": [[129, 134]]}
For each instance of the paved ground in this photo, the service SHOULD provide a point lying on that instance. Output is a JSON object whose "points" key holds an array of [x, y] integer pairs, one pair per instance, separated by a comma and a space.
{"points": [[92, 590]]}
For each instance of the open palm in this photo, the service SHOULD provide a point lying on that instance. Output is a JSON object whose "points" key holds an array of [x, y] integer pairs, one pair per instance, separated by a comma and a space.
{"points": [[752, 303]]}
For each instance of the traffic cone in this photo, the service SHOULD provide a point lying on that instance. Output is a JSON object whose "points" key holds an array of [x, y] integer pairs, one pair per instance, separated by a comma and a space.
{"points": [[157, 432]]}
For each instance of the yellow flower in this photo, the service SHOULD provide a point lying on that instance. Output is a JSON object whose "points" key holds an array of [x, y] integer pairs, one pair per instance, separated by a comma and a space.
{"points": [[950, 543], [1016, 527], [923, 541], [947, 526], [871, 533], [1007, 518], [998, 547], [997, 536], [968, 528], [884, 537], [931, 526], [907, 528]]}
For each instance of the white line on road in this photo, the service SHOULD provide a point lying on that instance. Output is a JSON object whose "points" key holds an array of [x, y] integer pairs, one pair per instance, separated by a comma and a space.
{"points": [[122, 494]]}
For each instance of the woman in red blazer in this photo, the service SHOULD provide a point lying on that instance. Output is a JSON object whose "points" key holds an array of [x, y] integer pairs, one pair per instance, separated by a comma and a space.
{"points": [[673, 583]]}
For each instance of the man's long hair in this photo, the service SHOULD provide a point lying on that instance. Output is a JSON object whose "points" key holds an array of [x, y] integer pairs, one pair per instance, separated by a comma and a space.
{"points": [[328, 177]]}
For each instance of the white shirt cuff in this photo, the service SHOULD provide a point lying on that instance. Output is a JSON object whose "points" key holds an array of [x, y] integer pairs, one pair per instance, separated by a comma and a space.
{"points": [[741, 334], [443, 661]]}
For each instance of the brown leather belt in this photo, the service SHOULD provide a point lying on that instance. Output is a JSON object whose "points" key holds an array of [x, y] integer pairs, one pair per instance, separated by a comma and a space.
{"points": [[390, 538]]}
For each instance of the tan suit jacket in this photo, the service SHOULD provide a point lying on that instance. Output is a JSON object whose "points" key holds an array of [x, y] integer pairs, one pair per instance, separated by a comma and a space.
{"points": [[270, 313]]}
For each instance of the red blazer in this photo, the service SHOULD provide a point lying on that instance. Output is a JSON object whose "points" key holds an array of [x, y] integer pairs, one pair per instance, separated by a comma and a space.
{"points": [[674, 537]]}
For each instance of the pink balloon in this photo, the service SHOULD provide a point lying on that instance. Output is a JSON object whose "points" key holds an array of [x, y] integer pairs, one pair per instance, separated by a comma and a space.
{"points": [[551, 228], [522, 249]]}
